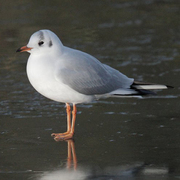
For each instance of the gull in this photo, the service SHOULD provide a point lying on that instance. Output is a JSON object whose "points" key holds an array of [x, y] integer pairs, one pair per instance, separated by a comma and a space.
{"points": [[71, 76]]}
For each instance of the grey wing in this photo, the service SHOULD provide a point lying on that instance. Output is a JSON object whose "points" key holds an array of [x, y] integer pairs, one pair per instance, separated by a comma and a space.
{"points": [[87, 75]]}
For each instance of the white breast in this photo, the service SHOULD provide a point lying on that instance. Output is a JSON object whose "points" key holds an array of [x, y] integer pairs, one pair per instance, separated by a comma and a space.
{"points": [[41, 74]]}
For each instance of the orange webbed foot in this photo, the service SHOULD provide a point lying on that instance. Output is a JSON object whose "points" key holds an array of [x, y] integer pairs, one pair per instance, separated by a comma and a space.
{"points": [[62, 136]]}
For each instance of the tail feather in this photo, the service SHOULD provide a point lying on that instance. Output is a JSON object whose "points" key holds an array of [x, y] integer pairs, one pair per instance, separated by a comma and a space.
{"points": [[139, 89], [144, 88], [143, 85]]}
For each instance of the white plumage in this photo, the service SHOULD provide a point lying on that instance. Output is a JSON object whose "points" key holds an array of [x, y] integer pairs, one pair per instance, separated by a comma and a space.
{"points": [[72, 76]]}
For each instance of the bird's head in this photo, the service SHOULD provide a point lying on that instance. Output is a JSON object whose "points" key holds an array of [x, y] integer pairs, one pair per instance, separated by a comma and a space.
{"points": [[42, 41]]}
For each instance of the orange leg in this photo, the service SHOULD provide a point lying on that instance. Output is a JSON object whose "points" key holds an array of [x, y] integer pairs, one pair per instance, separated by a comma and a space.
{"points": [[68, 110], [74, 112], [70, 127]]}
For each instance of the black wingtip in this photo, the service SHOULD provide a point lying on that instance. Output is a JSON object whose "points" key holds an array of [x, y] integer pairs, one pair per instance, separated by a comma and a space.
{"points": [[169, 87], [18, 50]]}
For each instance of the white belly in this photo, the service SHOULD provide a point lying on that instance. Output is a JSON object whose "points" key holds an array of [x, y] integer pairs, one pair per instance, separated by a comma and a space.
{"points": [[41, 75]]}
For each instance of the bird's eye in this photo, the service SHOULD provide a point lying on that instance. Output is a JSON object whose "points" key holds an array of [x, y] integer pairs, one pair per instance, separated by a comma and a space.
{"points": [[41, 43]]}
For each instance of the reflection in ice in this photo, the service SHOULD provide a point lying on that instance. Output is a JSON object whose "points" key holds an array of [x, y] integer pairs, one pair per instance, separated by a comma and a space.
{"points": [[74, 172], [129, 172], [64, 175]]}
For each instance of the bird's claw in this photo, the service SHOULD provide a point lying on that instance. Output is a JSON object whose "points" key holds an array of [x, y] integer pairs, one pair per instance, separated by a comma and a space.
{"points": [[62, 136]]}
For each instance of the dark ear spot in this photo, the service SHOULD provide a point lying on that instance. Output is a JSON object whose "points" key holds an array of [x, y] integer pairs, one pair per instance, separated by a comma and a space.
{"points": [[50, 43]]}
